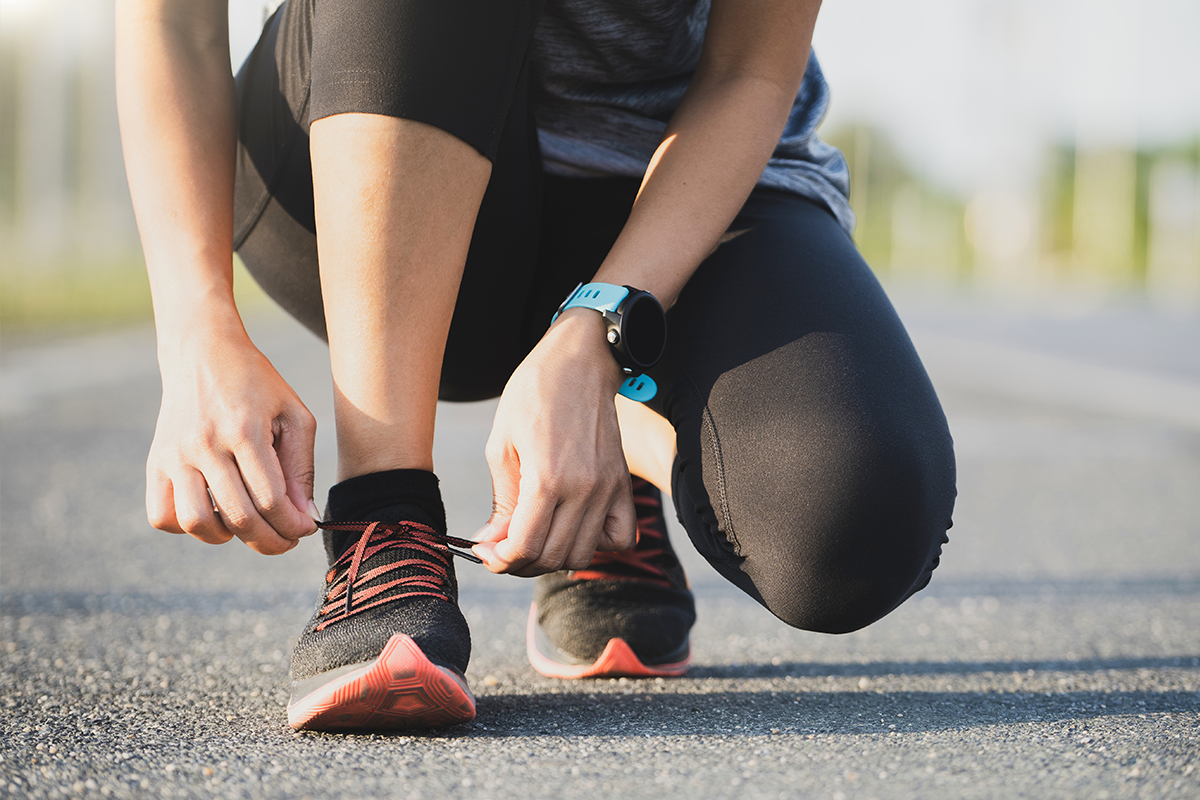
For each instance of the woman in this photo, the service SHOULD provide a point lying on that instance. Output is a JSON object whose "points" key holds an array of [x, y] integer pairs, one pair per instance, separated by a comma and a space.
{"points": [[423, 184]]}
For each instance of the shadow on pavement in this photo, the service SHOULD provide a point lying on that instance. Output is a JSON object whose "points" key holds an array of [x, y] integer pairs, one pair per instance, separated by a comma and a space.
{"points": [[787, 714], [765, 713], [799, 669]]}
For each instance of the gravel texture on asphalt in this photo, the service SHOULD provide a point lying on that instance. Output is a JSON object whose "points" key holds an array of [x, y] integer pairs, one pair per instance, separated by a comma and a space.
{"points": [[1055, 654]]}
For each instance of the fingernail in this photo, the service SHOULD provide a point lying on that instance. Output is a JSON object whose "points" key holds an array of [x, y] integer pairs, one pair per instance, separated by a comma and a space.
{"points": [[313, 511], [482, 533], [484, 551]]}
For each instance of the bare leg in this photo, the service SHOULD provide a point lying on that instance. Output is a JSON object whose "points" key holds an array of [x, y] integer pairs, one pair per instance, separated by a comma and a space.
{"points": [[395, 206], [649, 443]]}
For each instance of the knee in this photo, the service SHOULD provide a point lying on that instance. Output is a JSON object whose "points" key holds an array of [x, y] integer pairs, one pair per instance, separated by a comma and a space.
{"points": [[836, 545], [833, 597]]}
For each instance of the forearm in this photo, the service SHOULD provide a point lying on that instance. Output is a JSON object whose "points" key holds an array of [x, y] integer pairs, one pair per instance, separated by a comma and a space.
{"points": [[716, 145], [178, 128], [714, 151]]}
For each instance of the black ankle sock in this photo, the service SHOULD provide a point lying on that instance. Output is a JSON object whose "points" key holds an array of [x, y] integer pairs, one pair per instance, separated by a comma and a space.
{"points": [[398, 495]]}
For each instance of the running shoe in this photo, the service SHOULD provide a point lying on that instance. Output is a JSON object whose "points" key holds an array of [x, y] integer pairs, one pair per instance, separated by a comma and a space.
{"points": [[387, 646], [627, 614]]}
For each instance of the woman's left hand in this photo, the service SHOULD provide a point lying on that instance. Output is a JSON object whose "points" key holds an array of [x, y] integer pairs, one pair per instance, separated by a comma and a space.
{"points": [[560, 485]]}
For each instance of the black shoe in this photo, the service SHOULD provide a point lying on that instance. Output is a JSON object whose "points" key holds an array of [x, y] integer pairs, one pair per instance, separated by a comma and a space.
{"points": [[387, 646], [627, 614]]}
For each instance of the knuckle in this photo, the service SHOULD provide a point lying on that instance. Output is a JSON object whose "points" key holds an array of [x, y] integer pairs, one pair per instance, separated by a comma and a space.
{"points": [[245, 433], [304, 420], [213, 536], [237, 519], [307, 476], [160, 520], [547, 487], [207, 439], [524, 554], [617, 483], [495, 451], [582, 482], [192, 522], [268, 502], [158, 512], [549, 563], [589, 476]]}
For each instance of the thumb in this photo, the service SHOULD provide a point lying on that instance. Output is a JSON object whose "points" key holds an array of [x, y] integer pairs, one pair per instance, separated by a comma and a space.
{"points": [[506, 483], [294, 441]]}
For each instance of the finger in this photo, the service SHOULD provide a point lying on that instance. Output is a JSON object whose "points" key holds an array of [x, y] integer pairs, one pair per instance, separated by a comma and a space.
{"points": [[618, 530], [264, 485], [295, 438], [491, 532], [194, 508], [527, 530], [565, 527], [264, 481], [584, 547], [486, 538], [238, 513], [486, 552], [505, 467], [160, 501]]}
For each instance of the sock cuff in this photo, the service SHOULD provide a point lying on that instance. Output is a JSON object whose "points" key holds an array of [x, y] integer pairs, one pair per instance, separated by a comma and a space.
{"points": [[388, 496]]}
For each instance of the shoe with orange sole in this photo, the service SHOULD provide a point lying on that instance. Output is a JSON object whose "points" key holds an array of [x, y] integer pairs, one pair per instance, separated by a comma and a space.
{"points": [[627, 615], [387, 646]]}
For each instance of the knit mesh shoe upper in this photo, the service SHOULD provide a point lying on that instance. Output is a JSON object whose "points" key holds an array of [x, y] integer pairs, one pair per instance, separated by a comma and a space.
{"points": [[640, 596], [395, 578]]}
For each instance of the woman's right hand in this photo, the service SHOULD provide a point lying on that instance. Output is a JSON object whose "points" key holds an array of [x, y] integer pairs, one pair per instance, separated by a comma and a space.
{"points": [[230, 426]]}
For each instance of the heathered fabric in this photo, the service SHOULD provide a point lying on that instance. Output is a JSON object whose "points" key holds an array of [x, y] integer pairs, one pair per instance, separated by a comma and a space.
{"points": [[609, 73]]}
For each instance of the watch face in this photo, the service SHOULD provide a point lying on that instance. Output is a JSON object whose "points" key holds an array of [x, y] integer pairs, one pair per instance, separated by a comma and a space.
{"points": [[645, 330]]}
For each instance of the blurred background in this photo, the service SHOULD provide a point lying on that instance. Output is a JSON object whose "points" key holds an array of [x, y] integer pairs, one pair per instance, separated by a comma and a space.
{"points": [[1032, 148]]}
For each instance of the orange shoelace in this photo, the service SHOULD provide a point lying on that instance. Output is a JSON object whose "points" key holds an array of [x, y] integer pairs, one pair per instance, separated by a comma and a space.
{"points": [[426, 567], [645, 560]]}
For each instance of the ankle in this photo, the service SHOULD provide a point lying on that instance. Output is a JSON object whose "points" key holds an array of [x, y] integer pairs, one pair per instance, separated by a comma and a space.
{"points": [[400, 495]]}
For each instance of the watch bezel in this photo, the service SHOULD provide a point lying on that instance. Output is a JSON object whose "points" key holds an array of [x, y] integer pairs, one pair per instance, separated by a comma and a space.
{"points": [[637, 302]]}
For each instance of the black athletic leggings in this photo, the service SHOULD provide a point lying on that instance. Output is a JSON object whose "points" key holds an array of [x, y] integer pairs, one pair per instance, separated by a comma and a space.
{"points": [[815, 467]]}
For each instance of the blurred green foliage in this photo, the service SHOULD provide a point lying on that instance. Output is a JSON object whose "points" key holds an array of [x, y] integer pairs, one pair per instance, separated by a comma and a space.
{"points": [[1114, 237], [83, 294]]}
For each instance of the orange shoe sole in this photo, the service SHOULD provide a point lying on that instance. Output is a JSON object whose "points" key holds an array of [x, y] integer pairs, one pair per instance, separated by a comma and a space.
{"points": [[617, 661], [401, 689]]}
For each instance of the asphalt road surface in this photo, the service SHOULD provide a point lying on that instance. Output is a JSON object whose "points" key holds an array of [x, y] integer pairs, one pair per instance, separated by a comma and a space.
{"points": [[1055, 654]]}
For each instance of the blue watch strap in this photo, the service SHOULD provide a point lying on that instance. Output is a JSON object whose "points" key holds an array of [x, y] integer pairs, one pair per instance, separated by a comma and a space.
{"points": [[600, 296], [607, 297], [638, 387]]}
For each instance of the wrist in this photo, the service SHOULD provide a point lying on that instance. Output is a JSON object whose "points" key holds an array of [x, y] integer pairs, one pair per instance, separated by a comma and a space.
{"points": [[578, 336], [635, 328], [197, 330]]}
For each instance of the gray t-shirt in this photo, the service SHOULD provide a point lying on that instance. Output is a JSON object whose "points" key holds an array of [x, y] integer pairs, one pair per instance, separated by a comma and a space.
{"points": [[609, 73]]}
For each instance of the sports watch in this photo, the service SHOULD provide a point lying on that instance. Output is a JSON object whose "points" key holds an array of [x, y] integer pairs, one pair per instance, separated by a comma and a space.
{"points": [[637, 330]]}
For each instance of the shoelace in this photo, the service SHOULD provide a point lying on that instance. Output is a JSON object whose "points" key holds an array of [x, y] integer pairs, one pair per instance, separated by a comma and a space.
{"points": [[428, 566], [647, 560]]}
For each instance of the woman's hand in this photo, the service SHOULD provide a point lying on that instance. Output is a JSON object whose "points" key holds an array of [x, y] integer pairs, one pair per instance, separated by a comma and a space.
{"points": [[229, 426], [233, 449], [560, 486]]}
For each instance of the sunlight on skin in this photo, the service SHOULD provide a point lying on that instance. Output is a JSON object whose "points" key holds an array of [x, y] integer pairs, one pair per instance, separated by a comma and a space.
{"points": [[649, 443]]}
